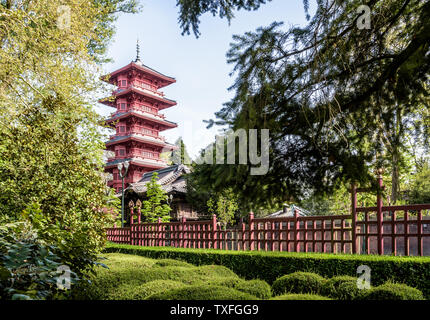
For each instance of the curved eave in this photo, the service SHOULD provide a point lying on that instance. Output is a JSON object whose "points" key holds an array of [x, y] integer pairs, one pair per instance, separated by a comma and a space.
{"points": [[138, 163], [163, 102], [143, 140], [163, 79], [165, 124]]}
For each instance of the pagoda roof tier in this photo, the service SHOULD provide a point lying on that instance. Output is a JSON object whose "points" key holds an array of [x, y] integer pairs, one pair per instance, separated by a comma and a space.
{"points": [[150, 96], [138, 162], [140, 138], [133, 67], [164, 124]]}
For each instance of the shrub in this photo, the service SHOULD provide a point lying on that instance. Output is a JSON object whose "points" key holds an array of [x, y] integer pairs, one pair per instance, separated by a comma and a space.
{"points": [[132, 291], [268, 266], [202, 292], [126, 269], [230, 282], [172, 262], [259, 288], [393, 291], [298, 282], [300, 297], [342, 288], [29, 268]]}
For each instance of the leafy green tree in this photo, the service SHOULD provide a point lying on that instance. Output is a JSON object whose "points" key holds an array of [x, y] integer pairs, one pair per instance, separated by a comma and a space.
{"points": [[155, 206], [225, 206], [50, 145], [419, 191], [180, 155]]}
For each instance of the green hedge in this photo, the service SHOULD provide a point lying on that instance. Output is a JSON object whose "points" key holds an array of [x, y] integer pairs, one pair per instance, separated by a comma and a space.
{"points": [[342, 288], [393, 291], [298, 282], [202, 292], [300, 297], [268, 266], [134, 291]]}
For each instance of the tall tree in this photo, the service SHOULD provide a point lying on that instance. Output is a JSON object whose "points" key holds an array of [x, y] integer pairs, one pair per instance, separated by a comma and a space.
{"points": [[155, 206], [180, 155], [50, 147], [324, 92]]}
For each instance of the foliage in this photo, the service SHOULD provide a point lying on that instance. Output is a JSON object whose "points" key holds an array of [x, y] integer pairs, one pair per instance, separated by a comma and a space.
{"points": [[393, 291], [300, 297], [172, 263], [191, 10], [342, 288], [268, 266], [155, 206], [258, 288], [127, 271], [135, 277], [180, 156], [133, 291], [50, 145], [202, 292], [298, 282], [338, 99], [419, 191], [28, 265], [224, 205]]}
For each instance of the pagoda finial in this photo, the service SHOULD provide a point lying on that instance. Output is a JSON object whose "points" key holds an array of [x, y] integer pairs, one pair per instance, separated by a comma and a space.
{"points": [[137, 52]]}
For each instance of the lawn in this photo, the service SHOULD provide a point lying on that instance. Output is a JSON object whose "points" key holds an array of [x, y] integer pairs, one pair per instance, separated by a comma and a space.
{"points": [[133, 277]]}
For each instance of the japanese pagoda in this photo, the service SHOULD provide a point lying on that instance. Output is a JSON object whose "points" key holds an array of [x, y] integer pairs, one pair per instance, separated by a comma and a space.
{"points": [[137, 121]]}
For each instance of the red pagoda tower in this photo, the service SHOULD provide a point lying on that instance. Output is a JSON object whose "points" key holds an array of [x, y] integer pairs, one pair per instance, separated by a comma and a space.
{"points": [[137, 121]]}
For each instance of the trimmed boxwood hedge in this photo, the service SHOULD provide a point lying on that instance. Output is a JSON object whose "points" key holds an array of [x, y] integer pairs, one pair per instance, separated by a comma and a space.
{"points": [[259, 288], [342, 288], [268, 266], [300, 297], [298, 282], [172, 263], [202, 292], [393, 291], [134, 291]]}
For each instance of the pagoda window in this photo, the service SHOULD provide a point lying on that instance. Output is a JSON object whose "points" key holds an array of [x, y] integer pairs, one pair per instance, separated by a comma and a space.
{"points": [[122, 129], [122, 106], [122, 152], [123, 83]]}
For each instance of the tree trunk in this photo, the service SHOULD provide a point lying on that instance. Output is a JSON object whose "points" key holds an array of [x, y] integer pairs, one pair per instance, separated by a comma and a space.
{"points": [[395, 174]]}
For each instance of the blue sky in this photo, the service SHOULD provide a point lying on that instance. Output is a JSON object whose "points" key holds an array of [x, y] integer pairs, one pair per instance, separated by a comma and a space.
{"points": [[199, 65]]}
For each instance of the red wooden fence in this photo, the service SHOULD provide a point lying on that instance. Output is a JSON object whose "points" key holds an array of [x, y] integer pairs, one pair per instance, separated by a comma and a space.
{"points": [[397, 230], [407, 235]]}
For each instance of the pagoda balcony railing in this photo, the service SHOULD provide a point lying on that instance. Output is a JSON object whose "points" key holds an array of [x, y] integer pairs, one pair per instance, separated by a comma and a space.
{"points": [[136, 156], [150, 91], [140, 110], [160, 138]]}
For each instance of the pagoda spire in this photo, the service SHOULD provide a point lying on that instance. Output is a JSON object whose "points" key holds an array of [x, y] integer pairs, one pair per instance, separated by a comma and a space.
{"points": [[138, 52]]}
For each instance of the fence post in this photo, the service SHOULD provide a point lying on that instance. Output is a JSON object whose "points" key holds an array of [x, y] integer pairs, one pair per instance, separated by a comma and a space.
{"points": [[138, 205], [159, 233], [251, 230], [354, 217], [379, 214], [214, 232], [242, 238], [131, 205], [182, 241], [296, 232]]}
